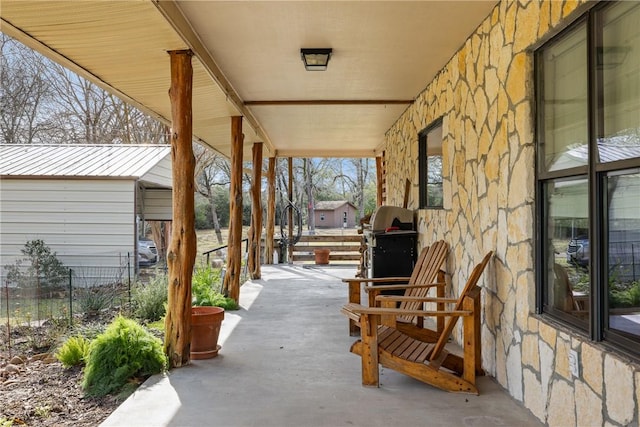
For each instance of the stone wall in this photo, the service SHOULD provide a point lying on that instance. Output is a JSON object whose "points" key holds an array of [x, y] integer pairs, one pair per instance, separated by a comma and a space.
{"points": [[485, 95]]}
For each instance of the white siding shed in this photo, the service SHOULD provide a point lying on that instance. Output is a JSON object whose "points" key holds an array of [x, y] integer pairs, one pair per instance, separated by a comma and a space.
{"points": [[83, 201]]}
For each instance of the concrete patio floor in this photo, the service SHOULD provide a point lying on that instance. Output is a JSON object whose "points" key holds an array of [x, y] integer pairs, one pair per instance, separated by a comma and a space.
{"points": [[285, 361]]}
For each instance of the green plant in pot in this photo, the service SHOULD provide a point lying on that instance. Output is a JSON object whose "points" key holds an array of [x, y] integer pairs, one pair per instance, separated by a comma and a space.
{"points": [[208, 307]]}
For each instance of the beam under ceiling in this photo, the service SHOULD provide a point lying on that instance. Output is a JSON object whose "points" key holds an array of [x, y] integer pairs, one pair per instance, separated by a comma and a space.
{"points": [[176, 19], [331, 102]]}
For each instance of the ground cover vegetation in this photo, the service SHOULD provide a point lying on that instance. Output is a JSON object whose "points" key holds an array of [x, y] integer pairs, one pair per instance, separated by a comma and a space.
{"points": [[76, 371]]}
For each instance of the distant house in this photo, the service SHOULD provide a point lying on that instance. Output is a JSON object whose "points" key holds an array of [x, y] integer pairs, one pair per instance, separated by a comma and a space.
{"points": [[86, 202], [334, 214]]}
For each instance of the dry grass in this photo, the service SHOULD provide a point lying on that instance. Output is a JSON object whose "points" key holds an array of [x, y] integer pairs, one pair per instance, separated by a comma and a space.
{"points": [[207, 240]]}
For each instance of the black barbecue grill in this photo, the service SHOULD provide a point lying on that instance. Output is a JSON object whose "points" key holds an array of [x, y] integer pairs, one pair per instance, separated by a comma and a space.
{"points": [[391, 242]]}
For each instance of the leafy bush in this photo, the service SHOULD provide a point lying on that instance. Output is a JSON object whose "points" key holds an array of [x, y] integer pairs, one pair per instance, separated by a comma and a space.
{"points": [[125, 350], [73, 352], [204, 283], [149, 300], [624, 295]]}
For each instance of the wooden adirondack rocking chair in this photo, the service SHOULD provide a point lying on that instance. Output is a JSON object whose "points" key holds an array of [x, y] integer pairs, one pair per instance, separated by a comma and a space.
{"points": [[428, 362], [426, 274]]}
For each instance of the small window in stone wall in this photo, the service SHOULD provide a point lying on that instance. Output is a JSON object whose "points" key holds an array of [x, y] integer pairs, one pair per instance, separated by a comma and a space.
{"points": [[430, 166]]}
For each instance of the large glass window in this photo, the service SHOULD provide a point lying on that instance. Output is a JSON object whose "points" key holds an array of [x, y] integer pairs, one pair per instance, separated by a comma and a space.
{"points": [[623, 252], [564, 99], [567, 248], [618, 59], [588, 139], [430, 165]]}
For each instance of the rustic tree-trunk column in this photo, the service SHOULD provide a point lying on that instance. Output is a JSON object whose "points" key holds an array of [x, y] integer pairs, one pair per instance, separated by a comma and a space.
{"points": [[271, 210], [290, 211], [231, 284], [181, 253], [379, 177], [255, 236]]}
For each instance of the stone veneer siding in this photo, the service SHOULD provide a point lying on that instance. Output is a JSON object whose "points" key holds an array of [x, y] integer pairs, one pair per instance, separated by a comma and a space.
{"points": [[485, 95]]}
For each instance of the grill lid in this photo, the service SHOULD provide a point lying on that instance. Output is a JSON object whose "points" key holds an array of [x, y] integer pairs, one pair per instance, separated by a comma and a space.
{"points": [[391, 216]]}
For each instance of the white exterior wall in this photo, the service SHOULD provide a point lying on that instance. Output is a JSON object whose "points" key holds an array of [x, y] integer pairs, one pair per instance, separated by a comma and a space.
{"points": [[155, 204], [160, 174], [89, 223]]}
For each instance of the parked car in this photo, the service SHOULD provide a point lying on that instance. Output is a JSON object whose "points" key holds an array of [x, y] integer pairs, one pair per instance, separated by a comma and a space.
{"points": [[623, 253], [147, 252], [578, 251]]}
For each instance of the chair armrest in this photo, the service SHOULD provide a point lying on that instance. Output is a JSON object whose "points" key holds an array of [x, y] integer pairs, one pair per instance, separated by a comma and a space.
{"points": [[360, 309], [402, 287], [412, 298], [377, 280]]}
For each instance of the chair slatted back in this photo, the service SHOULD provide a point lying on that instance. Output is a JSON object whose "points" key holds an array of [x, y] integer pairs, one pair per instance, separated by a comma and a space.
{"points": [[429, 263], [419, 266], [471, 284]]}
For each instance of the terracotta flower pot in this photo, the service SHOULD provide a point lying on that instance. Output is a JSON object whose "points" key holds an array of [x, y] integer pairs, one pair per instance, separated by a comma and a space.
{"points": [[205, 329], [322, 256]]}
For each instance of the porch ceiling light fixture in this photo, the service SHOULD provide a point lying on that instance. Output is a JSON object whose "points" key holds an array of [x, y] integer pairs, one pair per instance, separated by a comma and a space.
{"points": [[315, 59]]}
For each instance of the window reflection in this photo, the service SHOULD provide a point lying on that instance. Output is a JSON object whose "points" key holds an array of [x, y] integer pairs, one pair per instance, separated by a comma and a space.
{"points": [[619, 61], [623, 254], [564, 97], [434, 180], [567, 254], [430, 166]]}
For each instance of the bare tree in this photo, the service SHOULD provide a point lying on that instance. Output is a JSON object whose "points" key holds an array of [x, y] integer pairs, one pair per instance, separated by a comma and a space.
{"points": [[41, 101], [136, 127], [86, 113], [362, 172], [308, 185], [210, 171], [23, 92]]}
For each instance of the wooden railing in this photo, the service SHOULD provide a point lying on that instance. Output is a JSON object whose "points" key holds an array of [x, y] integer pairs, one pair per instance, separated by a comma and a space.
{"points": [[341, 247]]}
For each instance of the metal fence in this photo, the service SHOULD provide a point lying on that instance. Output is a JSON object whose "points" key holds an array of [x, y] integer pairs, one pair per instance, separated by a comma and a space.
{"points": [[85, 291], [624, 261], [78, 296]]}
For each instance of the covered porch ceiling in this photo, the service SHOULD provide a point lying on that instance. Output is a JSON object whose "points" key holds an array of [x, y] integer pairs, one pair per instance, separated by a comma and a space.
{"points": [[247, 62]]}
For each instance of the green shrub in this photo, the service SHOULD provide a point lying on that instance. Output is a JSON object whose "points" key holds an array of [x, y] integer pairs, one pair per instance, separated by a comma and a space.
{"points": [[149, 300], [92, 300], [204, 283], [73, 352], [125, 350], [624, 295]]}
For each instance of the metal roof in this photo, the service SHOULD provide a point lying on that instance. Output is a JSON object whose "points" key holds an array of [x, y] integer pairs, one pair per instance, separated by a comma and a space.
{"points": [[610, 149], [84, 160]]}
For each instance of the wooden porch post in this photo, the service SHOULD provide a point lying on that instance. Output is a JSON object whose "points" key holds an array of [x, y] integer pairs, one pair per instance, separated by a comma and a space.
{"points": [[271, 210], [255, 234], [181, 253], [290, 211], [379, 177], [234, 259]]}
